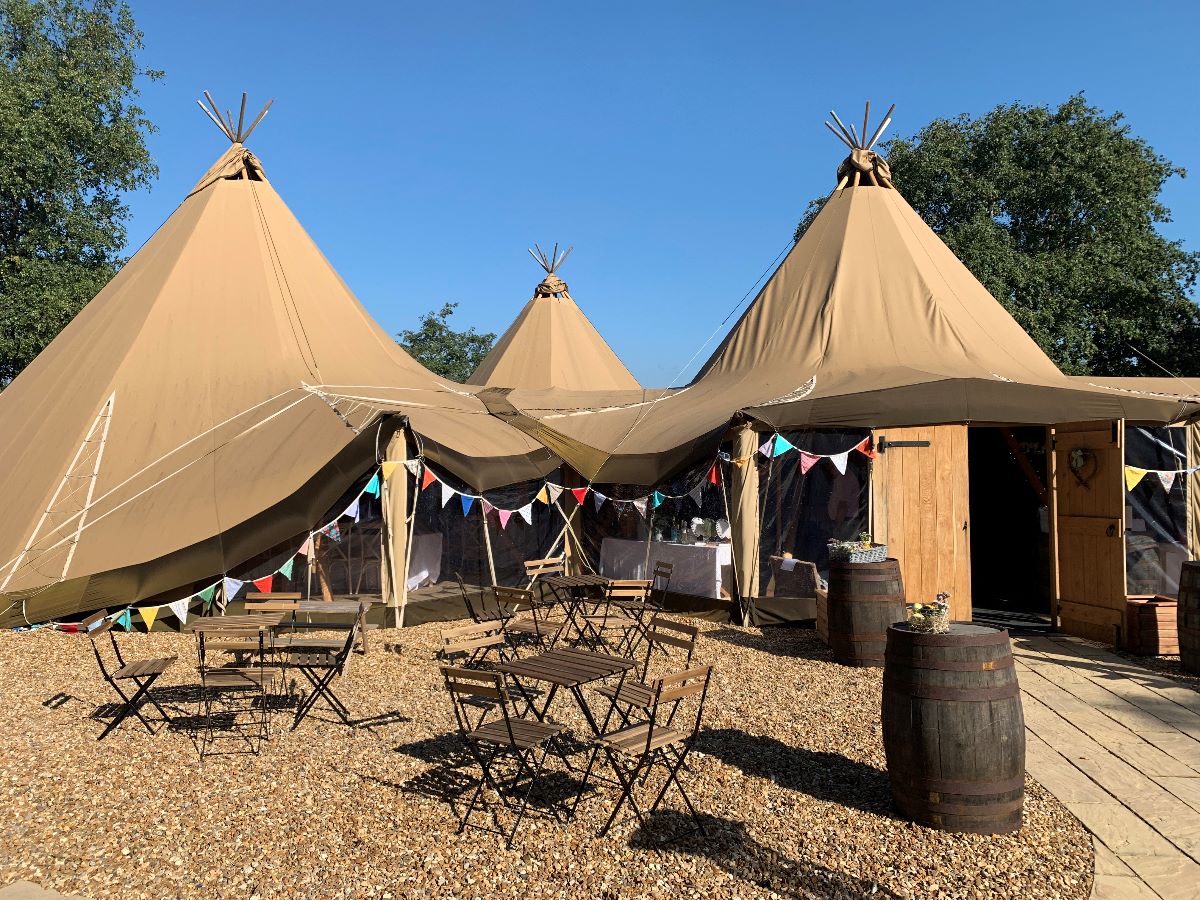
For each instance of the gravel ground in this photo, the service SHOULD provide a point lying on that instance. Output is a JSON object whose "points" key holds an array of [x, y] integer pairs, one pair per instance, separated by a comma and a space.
{"points": [[790, 780]]}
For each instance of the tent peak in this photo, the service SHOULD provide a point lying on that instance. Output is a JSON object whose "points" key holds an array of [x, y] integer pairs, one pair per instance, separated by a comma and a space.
{"points": [[237, 134], [553, 261], [863, 165]]}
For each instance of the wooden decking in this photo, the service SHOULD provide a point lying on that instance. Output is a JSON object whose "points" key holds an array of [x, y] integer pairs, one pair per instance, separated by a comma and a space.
{"points": [[1120, 747]]}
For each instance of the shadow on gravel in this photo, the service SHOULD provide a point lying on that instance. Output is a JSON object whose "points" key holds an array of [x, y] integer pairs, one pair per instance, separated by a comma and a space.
{"points": [[801, 643], [825, 776], [731, 847]]}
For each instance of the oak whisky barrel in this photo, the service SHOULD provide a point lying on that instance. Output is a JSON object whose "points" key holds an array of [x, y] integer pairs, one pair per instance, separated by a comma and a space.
{"points": [[864, 599], [953, 729], [1188, 617]]}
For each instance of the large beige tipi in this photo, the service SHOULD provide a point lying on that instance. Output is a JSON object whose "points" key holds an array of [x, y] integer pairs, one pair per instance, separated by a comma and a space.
{"points": [[202, 408]]}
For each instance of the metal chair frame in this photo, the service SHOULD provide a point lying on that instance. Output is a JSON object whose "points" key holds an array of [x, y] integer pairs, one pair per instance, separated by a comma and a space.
{"points": [[320, 668], [142, 672], [229, 685]]}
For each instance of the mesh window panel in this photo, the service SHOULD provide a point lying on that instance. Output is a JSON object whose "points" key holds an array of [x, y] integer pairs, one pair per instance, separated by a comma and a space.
{"points": [[1155, 517]]}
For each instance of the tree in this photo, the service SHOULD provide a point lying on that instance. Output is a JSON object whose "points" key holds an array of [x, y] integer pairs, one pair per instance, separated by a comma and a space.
{"points": [[72, 140], [444, 351], [1054, 211]]}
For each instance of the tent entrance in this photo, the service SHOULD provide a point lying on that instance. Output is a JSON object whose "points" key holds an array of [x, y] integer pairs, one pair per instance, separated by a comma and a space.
{"points": [[1010, 526]]}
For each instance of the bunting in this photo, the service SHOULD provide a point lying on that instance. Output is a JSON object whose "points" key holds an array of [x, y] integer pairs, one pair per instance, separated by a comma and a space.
{"points": [[306, 547], [543, 496], [231, 587], [697, 494], [555, 492], [263, 585], [427, 479], [467, 502], [640, 506], [388, 467], [714, 475], [807, 461], [447, 493], [149, 614], [526, 512], [656, 500], [206, 595], [487, 507], [579, 494], [125, 620], [180, 609], [1133, 475], [598, 498], [372, 487], [352, 510], [413, 466], [781, 445], [286, 569], [840, 461], [1167, 479], [505, 515]]}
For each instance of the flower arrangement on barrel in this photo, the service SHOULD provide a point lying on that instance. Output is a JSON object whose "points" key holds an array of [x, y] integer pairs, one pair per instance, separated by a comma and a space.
{"points": [[930, 618], [862, 550]]}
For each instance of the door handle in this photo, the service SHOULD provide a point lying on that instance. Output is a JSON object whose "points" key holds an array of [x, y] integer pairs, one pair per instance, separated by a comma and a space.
{"points": [[1111, 531]]}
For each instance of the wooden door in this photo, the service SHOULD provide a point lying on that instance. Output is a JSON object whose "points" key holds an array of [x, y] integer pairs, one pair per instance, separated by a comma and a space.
{"points": [[1089, 536], [919, 508]]}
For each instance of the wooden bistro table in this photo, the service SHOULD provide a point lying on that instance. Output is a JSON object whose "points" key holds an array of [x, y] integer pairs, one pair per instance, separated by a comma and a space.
{"points": [[263, 623], [571, 590], [563, 668]]}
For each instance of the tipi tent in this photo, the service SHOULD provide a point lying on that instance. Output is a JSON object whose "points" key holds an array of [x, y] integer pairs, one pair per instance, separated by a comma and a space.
{"points": [[203, 407], [551, 344]]}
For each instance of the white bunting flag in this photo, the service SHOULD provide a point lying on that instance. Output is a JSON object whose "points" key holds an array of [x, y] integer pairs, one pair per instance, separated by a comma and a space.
{"points": [[640, 506], [598, 498], [767, 448], [352, 510], [526, 513], [840, 461], [447, 493], [232, 586], [1167, 479], [555, 492], [413, 466], [180, 608], [697, 493]]}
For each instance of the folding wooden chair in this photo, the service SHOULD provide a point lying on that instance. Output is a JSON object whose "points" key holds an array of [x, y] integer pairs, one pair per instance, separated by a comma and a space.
{"points": [[477, 607], [321, 667], [140, 673], [632, 597], [233, 694], [469, 646], [635, 750], [660, 580], [526, 741], [617, 614], [674, 639], [535, 627], [540, 568]]}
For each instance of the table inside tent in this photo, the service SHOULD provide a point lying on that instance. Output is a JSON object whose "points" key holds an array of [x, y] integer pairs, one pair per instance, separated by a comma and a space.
{"points": [[425, 567], [700, 569]]}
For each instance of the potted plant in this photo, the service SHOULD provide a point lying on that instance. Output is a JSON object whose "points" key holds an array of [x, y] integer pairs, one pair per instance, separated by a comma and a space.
{"points": [[930, 618], [862, 550]]}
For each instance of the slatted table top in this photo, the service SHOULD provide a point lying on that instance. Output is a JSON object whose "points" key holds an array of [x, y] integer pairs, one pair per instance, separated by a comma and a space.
{"points": [[575, 581], [337, 607], [258, 621], [567, 668]]}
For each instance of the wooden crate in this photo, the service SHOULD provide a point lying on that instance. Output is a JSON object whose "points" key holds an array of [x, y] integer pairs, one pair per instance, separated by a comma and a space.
{"points": [[1150, 625]]}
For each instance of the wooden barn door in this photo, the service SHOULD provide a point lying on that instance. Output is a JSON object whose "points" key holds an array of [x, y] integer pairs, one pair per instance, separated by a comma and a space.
{"points": [[1089, 513], [919, 496]]}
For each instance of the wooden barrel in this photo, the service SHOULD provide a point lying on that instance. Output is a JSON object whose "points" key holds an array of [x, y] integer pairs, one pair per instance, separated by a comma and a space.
{"points": [[953, 729], [1188, 618], [864, 599]]}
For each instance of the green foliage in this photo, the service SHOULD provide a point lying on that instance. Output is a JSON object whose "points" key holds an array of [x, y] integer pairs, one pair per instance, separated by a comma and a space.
{"points": [[444, 351], [72, 140], [1054, 210]]}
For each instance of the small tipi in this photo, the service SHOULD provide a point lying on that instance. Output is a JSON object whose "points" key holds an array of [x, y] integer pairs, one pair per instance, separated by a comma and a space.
{"points": [[551, 344]]}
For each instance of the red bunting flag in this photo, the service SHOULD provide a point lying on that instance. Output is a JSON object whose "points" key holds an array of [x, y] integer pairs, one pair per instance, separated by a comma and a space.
{"points": [[263, 585], [427, 479], [864, 447], [579, 493], [714, 475]]}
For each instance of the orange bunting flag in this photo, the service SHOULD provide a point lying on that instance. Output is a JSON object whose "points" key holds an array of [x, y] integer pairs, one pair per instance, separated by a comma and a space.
{"points": [[263, 585], [714, 475], [864, 447], [543, 496], [579, 493], [427, 479]]}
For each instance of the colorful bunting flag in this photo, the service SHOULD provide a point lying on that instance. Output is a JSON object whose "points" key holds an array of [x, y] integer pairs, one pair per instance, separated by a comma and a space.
{"points": [[372, 487], [427, 479], [413, 466], [206, 595], [263, 585], [505, 515], [149, 613], [807, 461], [714, 476], [697, 495], [388, 467], [231, 586], [598, 498], [467, 502], [579, 493], [286, 569], [1133, 475], [782, 445], [306, 547], [334, 532], [640, 506], [526, 512], [543, 496], [840, 461], [1167, 479], [864, 447], [447, 493], [125, 620], [487, 507], [767, 448], [555, 492], [656, 500], [352, 510], [180, 608]]}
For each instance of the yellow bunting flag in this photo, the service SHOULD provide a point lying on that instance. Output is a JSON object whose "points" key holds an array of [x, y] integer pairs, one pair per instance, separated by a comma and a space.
{"points": [[149, 613], [542, 496], [388, 469], [1134, 475]]}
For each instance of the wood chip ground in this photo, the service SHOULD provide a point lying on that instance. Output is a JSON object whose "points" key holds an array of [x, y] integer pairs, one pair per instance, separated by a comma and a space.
{"points": [[790, 777]]}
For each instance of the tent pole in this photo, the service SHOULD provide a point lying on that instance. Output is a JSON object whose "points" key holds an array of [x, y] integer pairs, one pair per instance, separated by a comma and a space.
{"points": [[408, 550], [487, 541], [309, 567]]}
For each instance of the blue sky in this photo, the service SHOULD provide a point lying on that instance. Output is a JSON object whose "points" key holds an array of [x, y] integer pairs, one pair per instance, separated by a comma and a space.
{"points": [[675, 144]]}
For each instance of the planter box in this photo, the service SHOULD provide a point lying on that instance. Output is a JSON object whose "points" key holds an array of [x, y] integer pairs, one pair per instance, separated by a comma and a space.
{"points": [[1150, 625]]}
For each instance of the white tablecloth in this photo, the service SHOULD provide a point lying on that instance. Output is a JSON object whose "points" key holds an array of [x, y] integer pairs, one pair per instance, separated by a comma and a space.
{"points": [[426, 564], [698, 567]]}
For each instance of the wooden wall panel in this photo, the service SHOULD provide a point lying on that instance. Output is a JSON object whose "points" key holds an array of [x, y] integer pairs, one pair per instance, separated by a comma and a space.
{"points": [[919, 498]]}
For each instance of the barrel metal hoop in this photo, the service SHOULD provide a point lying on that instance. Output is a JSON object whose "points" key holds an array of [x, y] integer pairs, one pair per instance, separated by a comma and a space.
{"points": [[953, 665], [868, 637], [867, 598], [983, 812], [939, 692], [965, 788]]}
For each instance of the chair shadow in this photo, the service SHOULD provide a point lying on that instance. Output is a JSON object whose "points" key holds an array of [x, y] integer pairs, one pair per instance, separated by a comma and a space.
{"points": [[728, 845], [804, 643], [825, 776]]}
